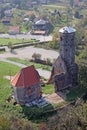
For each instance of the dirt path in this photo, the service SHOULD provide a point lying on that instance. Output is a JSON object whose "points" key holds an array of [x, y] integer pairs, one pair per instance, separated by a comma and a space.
{"points": [[54, 98], [27, 52]]}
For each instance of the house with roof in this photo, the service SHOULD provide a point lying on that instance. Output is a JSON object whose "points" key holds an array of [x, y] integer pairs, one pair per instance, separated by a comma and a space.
{"points": [[14, 30], [8, 13], [40, 27], [26, 85], [6, 21], [29, 13]]}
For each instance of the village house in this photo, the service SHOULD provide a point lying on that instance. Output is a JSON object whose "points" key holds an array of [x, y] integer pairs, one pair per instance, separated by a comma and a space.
{"points": [[14, 30], [6, 21], [29, 13], [26, 85], [40, 27], [8, 13]]}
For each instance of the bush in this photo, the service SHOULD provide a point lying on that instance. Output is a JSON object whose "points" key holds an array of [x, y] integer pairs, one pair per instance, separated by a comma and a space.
{"points": [[20, 124], [4, 123], [36, 56]]}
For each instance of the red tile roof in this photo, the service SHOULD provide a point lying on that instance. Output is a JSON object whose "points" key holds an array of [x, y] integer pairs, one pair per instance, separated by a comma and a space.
{"points": [[26, 77], [14, 28]]}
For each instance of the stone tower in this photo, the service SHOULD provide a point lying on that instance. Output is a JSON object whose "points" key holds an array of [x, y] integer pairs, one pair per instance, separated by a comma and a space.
{"points": [[65, 70], [67, 45]]}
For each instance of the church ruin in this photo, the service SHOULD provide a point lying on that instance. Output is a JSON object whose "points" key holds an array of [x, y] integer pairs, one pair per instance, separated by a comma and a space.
{"points": [[65, 71]]}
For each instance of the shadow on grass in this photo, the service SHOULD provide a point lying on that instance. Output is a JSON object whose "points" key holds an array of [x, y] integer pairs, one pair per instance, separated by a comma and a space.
{"points": [[37, 114], [75, 93]]}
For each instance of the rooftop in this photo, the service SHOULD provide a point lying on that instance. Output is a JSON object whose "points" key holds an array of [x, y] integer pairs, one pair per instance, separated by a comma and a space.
{"points": [[26, 77], [67, 30], [40, 22]]}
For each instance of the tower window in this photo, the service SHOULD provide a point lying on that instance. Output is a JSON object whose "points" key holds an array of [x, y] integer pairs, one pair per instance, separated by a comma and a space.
{"points": [[61, 38]]}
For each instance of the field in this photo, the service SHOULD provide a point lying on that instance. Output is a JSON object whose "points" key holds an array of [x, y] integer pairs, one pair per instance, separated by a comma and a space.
{"points": [[8, 41], [28, 63]]}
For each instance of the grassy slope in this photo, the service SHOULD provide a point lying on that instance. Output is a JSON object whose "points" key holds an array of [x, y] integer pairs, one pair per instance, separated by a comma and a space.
{"points": [[5, 88]]}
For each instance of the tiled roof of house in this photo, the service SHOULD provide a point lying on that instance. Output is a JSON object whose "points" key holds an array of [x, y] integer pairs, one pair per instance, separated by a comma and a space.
{"points": [[26, 77], [67, 29], [14, 28], [29, 13]]}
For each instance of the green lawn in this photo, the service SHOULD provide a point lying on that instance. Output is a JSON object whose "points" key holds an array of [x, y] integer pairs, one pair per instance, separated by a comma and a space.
{"points": [[48, 89], [7, 41], [5, 88], [28, 63]]}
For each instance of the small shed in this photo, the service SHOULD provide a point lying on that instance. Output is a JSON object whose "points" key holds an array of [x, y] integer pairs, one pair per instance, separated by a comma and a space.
{"points": [[26, 85]]}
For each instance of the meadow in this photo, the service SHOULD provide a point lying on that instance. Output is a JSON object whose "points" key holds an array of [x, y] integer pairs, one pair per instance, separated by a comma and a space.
{"points": [[11, 41]]}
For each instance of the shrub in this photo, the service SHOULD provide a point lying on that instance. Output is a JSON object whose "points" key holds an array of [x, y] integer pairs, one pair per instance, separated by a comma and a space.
{"points": [[36, 56], [4, 123], [20, 124]]}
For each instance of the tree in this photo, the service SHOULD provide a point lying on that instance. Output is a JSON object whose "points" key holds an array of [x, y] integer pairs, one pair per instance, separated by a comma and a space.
{"points": [[71, 3], [32, 17]]}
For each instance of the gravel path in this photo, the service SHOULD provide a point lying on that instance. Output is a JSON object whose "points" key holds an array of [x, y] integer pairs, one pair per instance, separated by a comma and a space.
{"points": [[27, 52]]}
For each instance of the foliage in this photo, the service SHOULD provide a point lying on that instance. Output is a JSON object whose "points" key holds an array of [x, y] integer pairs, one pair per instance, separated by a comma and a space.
{"points": [[54, 45], [82, 76], [36, 56], [74, 94], [69, 118], [4, 123], [15, 123]]}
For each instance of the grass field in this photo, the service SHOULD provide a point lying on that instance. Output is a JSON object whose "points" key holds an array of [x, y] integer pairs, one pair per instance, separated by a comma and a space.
{"points": [[5, 88], [28, 63], [7, 41]]}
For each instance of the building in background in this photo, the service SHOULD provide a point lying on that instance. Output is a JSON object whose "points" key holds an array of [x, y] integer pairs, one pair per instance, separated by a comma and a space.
{"points": [[40, 27], [14, 30]]}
